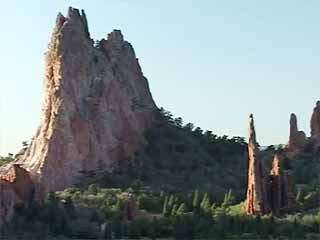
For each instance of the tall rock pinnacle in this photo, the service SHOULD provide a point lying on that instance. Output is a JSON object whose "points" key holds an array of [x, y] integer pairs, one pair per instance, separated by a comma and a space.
{"points": [[256, 201], [315, 121], [297, 139]]}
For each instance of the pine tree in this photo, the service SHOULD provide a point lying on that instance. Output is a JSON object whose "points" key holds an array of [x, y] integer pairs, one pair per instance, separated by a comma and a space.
{"points": [[205, 204], [181, 210], [195, 202], [171, 202], [174, 210], [228, 199], [165, 209]]}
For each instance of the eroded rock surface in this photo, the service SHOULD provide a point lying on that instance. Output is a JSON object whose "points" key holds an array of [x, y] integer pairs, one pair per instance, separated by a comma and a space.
{"points": [[297, 139], [256, 201], [266, 192], [16, 187], [97, 105], [315, 121]]}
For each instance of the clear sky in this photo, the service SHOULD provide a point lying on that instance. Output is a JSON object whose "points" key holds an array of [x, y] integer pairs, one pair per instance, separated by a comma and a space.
{"points": [[211, 62]]}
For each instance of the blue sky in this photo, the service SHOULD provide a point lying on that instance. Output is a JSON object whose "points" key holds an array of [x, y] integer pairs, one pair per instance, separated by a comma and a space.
{"points": [[211, 62]]}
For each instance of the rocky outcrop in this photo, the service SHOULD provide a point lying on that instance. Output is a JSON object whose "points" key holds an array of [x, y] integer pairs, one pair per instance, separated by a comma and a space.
{"points": [[96, 108], [297, 139], [97, 105], [16, 187], [315, 121], [266, 192], [8, 200], [256, 201]]}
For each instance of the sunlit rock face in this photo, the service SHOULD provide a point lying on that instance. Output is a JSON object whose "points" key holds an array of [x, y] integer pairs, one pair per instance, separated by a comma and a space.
{"points": [[97, 105], [256, 201]]}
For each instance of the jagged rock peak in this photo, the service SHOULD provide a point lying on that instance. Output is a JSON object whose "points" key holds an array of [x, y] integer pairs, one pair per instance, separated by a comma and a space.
{"points": [[76, 18], [115, 36], [252, 131], [315, 121]]}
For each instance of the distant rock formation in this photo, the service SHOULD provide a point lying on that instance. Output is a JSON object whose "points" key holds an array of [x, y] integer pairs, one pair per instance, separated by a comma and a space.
{"points": [[315, 121], [266, 192], [97, 105], [297, 139]]}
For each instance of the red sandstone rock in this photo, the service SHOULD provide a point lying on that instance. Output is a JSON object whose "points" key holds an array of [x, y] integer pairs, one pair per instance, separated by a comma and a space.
{"points": [[96, 108], [16, 187], [274, 188], [256, 201], [97, 105], [315, 121], [297, 139]]}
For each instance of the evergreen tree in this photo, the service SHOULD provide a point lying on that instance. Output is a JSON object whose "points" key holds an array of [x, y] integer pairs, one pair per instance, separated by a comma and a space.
{"points": [[181, 210], [229, 199], [195, 202], [174, 210], [171, 201], [205, 204], [165, 208]]}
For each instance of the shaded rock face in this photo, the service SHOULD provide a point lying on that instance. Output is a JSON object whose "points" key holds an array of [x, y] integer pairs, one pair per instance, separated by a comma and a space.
{"points": [[315, 121], [280, 195], [16, 187], [97, 104], [275, 186], [297, 139]]}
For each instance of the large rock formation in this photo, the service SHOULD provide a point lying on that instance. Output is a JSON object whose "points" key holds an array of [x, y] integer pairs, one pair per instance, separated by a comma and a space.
{"points": [[297, 139], [256, 202], [97, 105]]}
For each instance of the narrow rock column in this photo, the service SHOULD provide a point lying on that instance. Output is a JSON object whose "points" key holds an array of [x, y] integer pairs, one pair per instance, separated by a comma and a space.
{"points": [[297, 138], [315, 121], [256, 201], [275, 185]]}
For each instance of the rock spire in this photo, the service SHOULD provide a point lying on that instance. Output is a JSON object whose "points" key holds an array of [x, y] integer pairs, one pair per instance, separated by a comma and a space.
{"points": [[256, 202], [315, 121], [297, 139]]}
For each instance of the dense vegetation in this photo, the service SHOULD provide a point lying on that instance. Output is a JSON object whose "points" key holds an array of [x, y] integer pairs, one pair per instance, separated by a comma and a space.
{"points": [[187, 183], [101, 213], [178, 158]]}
